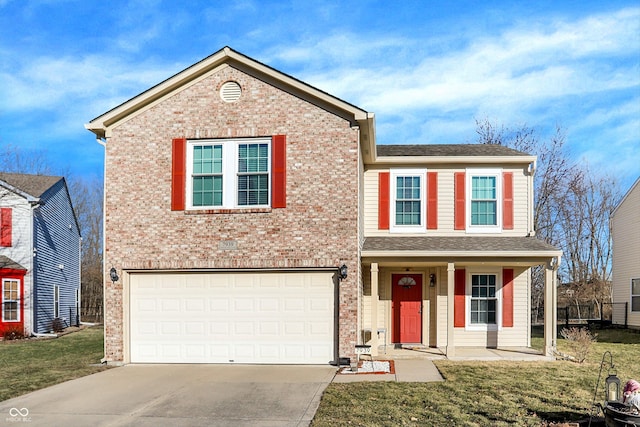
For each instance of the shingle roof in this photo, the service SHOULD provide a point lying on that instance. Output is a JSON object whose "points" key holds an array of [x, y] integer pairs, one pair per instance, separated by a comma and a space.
{"points": [[6, 262], [437, 150], [456, 244], [34, 185]]}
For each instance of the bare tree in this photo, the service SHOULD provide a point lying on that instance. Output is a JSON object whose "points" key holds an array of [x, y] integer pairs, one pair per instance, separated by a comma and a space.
{"points": [[571, 211]]}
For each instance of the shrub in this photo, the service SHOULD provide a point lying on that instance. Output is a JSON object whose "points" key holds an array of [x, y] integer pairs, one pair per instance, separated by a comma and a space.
{"points": [[57, 325], [580, 341], [13, 333]]}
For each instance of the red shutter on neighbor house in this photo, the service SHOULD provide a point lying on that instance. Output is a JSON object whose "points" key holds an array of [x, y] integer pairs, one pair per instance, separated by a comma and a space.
{"points": [[178, 174], [507, 297], [507, 200], [459, 201], [432, 200], [279, 171], [459, 298], [383, 200], [6, 231]]}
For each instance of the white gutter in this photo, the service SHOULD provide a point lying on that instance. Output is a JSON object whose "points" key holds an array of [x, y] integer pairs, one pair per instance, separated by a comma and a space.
{"points": [[104, 222]]}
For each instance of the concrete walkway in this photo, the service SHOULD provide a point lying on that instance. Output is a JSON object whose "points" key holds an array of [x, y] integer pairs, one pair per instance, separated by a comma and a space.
{"points": [[406, 370]]}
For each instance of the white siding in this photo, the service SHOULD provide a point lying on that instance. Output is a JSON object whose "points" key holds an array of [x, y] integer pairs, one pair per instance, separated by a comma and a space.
{"points": [[446, 202], [21, 250], [626, 253]]}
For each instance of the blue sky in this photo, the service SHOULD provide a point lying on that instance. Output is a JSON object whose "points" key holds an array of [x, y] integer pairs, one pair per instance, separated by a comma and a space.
{"points": [[427, 69]]}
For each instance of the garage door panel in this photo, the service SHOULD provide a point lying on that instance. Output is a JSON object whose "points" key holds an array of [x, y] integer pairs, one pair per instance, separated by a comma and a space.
{"points": [[237, 318]]}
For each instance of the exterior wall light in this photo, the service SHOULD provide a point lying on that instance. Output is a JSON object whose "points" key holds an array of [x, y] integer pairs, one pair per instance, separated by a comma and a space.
{"points": [[113, 274], [343, 272], [432, 280]]}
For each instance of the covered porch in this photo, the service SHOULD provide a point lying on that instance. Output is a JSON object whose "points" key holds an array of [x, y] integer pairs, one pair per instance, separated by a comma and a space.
{"points": [[455, 297]]}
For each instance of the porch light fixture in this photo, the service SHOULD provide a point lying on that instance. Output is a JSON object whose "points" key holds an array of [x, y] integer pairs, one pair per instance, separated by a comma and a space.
{"points": [[432, 280], [612, 387], [343, 272], [113, 274]]}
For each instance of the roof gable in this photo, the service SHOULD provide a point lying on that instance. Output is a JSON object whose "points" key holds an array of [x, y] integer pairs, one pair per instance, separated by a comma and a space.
{"points": [[29, 185], [228, 57]]}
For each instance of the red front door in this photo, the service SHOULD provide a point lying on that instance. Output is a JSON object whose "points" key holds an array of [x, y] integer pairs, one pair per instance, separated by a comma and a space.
{"points": [[407, 308]]}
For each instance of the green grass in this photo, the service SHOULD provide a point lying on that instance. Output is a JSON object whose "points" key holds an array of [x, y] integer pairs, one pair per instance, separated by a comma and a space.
{"points": [[485, 393], [28, 365]]}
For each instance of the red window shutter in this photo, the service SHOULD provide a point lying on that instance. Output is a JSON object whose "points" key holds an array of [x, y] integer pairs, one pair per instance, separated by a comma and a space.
{"points": [[383, 200], [459, 201], [6, 231], [507, 297], [432, 200], [507, 200], [459, 298], [279, 171], [178, 174]]}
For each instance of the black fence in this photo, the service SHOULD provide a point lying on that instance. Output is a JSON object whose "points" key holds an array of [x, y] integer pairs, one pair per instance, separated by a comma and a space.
{"points": [[603, 314]]}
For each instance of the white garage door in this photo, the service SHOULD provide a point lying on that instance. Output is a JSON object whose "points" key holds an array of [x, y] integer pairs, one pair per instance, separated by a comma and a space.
{"points": [[232, 318]]}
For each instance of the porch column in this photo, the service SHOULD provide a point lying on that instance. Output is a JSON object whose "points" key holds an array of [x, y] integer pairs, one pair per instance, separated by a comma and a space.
{"points": [[374, 309], [451, 349], [550, 309]]}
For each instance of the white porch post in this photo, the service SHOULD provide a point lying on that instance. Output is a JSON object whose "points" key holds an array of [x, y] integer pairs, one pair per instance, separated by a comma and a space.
{"points": [[550, 309], [374, 309], [451, 349]]}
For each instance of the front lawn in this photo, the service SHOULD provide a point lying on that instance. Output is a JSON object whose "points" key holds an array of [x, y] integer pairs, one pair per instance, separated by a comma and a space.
{"points": [[32, 364], [485, 393]]}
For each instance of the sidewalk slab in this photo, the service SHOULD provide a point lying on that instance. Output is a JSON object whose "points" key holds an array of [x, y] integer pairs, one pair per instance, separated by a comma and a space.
{"points": [[406, 370]]}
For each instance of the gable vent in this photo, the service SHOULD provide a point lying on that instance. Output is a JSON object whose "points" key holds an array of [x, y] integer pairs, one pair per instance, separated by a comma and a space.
{"points": [[230, 92]]}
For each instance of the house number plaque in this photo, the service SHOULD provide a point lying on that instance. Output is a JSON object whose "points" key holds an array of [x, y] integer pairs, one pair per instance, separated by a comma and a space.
{"points": [[228, 245]]}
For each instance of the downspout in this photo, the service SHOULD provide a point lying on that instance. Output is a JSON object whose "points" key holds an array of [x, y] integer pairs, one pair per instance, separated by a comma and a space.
{"points": [[33, 204], [103, 142], [532, 227]]}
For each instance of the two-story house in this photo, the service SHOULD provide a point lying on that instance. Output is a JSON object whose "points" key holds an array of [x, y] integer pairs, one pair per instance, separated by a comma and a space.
{"points": [[251, 218], [625, 234], [39, 254]]}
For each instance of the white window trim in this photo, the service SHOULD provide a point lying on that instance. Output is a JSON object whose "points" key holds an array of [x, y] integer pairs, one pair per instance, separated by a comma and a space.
{"points": [[2, 300], [393, 227], [469, 174], [229, 172], [56, 301], [483, 327], [631, 295]]}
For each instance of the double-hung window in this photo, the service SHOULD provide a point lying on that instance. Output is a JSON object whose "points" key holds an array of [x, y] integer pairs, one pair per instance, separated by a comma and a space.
{"points": [[635, 294], [483, 299], [229, 173], [408, 200], [56, 301], [10, 300], [484, 205]]}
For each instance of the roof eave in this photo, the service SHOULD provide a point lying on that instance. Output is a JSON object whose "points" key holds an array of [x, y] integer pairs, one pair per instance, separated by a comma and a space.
{"points": [[462, 254], [398, 160]]}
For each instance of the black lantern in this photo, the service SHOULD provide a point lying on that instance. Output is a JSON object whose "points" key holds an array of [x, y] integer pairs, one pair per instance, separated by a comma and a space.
{"points": [[432, 280], [612, 387], [113, 274], [343, 271]]}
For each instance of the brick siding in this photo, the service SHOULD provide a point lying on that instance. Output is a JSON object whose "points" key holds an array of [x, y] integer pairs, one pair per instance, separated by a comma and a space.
{"points": [[318, 228]]}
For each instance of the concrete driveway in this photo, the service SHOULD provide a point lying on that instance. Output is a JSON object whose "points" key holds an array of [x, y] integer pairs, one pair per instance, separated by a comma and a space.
{"points": [[177, 395]]}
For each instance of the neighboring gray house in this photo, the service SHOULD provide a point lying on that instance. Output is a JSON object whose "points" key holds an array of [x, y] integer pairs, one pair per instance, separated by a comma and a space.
{"points": [[625, 234], [39, 254]]}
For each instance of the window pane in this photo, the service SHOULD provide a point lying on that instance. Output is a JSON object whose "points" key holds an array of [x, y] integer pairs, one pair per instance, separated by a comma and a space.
{"points": [[253, 190], [635, 286], [10, 311], [635, 303], [408, 203], [207, 159], [253, 158], [207, 191]]}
